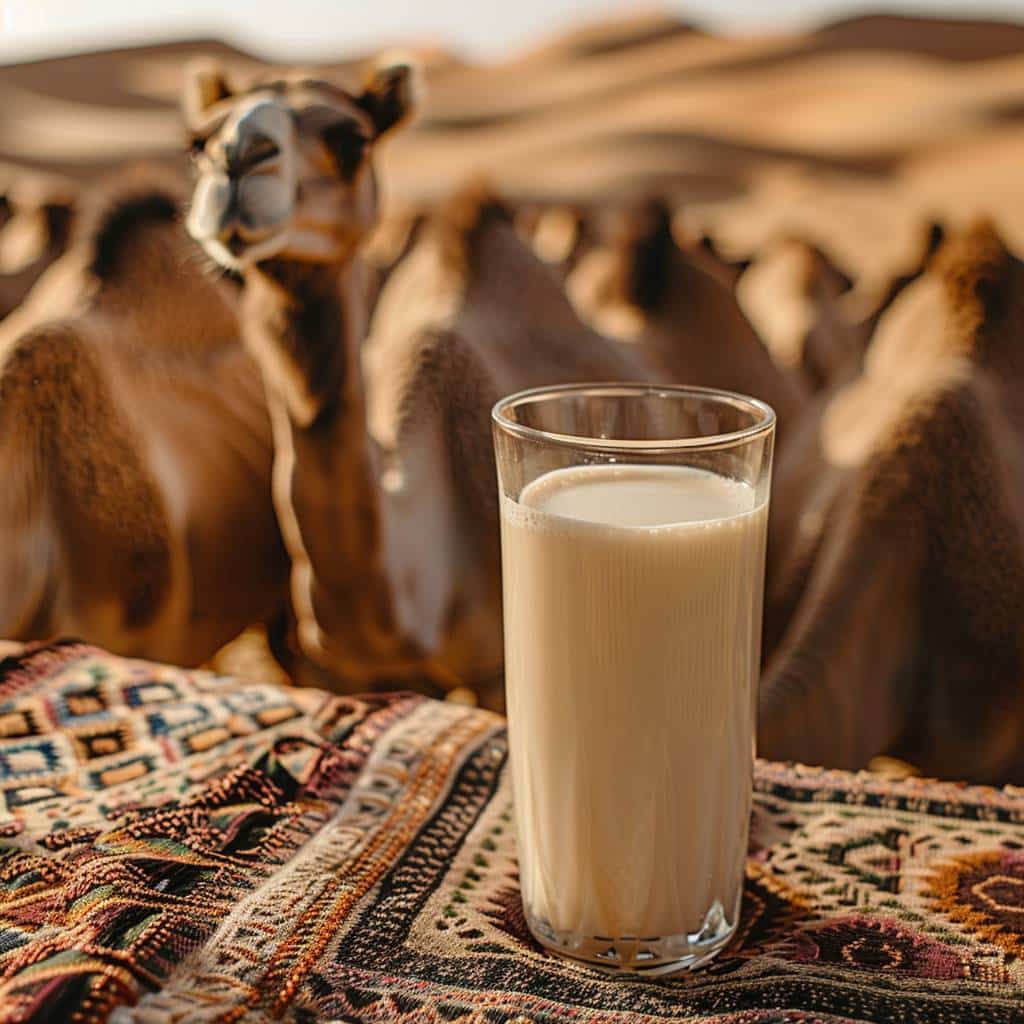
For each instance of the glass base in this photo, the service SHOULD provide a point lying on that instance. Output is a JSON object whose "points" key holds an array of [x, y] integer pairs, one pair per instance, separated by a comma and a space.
{"points": [[632, 955]]}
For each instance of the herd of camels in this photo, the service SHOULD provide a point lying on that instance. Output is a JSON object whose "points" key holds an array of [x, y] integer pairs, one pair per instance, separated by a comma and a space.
{"points": [[262, 396]]}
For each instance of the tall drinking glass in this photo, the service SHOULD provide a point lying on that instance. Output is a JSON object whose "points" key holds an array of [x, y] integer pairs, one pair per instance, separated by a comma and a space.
{"points": [[633, 523]]}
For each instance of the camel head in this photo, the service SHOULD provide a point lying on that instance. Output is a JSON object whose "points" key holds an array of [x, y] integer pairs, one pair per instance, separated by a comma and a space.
{"points": [[284, 168]]}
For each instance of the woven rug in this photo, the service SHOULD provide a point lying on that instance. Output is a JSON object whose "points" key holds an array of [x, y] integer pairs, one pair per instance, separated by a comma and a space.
{"points": [[178, 846]]}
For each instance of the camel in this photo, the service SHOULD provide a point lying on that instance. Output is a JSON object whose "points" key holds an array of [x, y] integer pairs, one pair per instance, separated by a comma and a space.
{"points": [[815, 320], [793, 294], [35, 227], [902, 549], [632, 281], [811, 315], [618, 270], [136, 510]]}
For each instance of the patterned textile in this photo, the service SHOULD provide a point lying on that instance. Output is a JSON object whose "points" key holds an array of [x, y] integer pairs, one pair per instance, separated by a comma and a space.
{"points": [[177, 846]]}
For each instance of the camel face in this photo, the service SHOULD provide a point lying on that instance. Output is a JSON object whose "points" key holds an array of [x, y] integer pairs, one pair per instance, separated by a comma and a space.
{"points": [[284, 167]]}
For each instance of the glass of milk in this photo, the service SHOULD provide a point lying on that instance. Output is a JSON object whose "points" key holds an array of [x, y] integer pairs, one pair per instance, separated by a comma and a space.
{"points": [[633, 521]]}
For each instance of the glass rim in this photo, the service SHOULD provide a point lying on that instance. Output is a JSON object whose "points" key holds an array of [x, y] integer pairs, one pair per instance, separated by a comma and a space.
{"points": [[763, 424]]}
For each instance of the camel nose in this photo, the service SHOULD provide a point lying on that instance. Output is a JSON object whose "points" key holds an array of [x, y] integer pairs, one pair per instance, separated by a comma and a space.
{"points": [[249, 151]]}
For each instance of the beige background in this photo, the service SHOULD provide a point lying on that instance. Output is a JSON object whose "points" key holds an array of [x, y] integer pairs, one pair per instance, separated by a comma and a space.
{"points": [[327, 29]]}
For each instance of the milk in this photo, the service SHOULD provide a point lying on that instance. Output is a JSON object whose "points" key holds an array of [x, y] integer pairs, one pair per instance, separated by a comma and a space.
{"points": [[632, 634]]}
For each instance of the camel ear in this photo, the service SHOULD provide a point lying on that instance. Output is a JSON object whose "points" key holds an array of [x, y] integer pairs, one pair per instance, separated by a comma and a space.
{"points": [[205, 85], [389, 96]]}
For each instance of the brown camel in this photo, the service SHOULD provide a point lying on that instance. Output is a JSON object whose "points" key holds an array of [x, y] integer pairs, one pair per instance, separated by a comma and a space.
{"points": [[793, 295], [632, 281], [811, 315], [35, 227], [816, 320], [136, 447], [905, 498]]}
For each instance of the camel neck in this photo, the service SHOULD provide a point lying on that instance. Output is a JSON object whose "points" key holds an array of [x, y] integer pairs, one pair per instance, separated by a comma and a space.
{"points": [[305, 327], [304, 324]]}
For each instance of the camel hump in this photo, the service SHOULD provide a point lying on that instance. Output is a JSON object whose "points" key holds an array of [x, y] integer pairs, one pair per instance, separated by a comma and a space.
{"points": [[462, 217], [978, 274], [120, 215], [80, 465]]}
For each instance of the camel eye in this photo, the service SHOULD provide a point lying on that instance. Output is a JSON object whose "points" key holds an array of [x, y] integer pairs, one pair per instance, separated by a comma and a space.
{"points": [[255, 150], [262, 148], [347, 146]]}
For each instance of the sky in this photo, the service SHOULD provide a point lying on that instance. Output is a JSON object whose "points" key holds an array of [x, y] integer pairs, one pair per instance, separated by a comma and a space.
{"points": [[329, 29]]}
